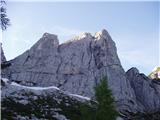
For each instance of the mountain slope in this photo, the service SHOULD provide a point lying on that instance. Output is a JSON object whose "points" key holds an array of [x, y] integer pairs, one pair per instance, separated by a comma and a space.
{"points": [[72, 70], [147, 92], [23, 102], [75, 66]]}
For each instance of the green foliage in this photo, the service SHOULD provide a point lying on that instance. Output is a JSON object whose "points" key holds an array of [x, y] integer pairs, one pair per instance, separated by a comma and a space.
{"points": [[5, 21], [44, 107], [87, 111], [104, 108], [104, 97]]}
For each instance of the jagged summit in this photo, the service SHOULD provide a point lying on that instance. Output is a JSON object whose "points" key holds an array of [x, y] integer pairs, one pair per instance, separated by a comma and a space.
{"points": [[146, 90], [84, 35], [47, 43], [88, 36], [133, 70], [48, 35], [52, 39], [83, 61], [101, 34], [77, 67]]}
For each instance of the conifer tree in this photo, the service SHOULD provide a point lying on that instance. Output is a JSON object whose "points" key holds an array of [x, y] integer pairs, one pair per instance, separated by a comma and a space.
{"points": [[5, 21], [105, 107], [87, 112]]}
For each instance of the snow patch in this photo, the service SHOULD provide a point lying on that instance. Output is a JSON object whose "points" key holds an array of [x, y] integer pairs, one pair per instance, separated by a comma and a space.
{"points": [[5, 80], [79, 96], [34, 88], [45, 88]]}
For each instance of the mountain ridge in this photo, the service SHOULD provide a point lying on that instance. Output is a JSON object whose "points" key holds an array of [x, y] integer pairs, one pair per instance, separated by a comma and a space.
{"points": [[77, 67], [155, 74]]}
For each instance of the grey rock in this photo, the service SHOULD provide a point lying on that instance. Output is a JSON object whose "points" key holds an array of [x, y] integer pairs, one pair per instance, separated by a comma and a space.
{"points": [[75, 66], [51, 101], [119, 118], [3, 58], [60, 117], [147, 91]]}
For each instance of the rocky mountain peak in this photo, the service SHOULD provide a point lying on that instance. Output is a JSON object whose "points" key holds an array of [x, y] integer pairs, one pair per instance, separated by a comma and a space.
{"points": [[85, 35], [101, 34], [81, 36], [45, 46], [133, 71], [98, 35], [147, 91], [47, 41], [48, 35], [77, 67]]}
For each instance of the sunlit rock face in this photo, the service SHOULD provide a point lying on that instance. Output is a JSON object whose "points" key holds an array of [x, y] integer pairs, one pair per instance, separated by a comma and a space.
{"points": [[75, 66], [155, 74], [3, 58]]}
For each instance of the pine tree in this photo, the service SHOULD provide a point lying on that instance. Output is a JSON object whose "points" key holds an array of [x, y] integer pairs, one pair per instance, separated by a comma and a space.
{"points": [[105, 108], [5, 21]]}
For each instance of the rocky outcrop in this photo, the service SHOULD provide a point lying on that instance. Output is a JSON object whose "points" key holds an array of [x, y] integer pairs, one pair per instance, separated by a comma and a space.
{"points": [[3, 58], [147, 91], [20, 102], [155, 74], [3, 61], [75, 66], [34, 103]]}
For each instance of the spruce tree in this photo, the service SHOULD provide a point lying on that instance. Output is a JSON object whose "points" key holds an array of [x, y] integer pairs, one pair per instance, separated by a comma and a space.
{"points": [[105, 107], [5, 21]]}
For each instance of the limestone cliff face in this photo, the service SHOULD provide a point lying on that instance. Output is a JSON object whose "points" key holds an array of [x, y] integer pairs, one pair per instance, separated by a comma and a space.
{"points": [[75, 66], [3, 58], [147, 91]]}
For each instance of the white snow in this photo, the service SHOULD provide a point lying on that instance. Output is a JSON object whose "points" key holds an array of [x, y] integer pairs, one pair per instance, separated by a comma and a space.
{"points": [[35, 88], [5, 80], [45, 88], [79, 96]]}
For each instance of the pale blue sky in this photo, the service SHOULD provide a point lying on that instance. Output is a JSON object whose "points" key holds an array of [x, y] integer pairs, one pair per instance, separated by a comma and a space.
{"points": [[134, 26]]}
